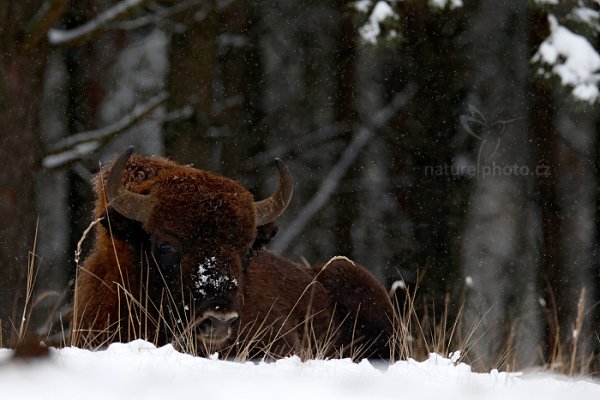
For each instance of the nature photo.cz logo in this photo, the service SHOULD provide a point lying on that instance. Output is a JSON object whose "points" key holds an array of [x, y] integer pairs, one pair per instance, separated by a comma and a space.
{"points": [[489, 135]]}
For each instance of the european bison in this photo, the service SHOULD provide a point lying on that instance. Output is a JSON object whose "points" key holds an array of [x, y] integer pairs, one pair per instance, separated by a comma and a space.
{"points": [[178, 258]]}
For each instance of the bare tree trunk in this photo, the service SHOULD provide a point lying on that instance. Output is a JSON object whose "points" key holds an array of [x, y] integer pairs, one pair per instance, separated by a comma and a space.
{"points": [[544, 131], [376, 213], [53, 203], [215, 84], [568, 192], [238, 88], [500, 252], [575, 193], [21, 82], [424, 223], [346, 202], [190, 83]]}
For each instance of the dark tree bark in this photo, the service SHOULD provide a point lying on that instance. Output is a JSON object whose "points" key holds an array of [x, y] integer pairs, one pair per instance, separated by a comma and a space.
{"points": [[22, 64], [346, 202], [426, 135], [216, 77], [565, 142], [193, 58], [543, 130], [237, 96]]}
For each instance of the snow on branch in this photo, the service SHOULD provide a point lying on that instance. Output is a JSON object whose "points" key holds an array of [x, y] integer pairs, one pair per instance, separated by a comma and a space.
{"points": [[97, 25], [573, 59], [333, 179], [47, 15], [382, 12], [371, 30], [76, 147], [441, 4]]}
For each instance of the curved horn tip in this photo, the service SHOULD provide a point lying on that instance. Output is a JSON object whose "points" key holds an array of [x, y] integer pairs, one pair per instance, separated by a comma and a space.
{"points": [[282, 167], [280, 164], [269, 209], [122, 158], [129, 151]]}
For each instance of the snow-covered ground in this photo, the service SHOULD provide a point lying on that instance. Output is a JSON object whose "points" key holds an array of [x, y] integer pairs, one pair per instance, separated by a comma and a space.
{"points": [[138, 370]]}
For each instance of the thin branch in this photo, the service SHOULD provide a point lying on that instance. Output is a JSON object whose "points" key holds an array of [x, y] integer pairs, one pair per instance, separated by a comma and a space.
{"points": [[333, 179], [76, 146], [97, 25], [47, 15], [77, 152], [157, 16]]}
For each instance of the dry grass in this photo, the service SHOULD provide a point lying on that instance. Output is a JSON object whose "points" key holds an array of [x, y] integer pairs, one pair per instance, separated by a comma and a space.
{"points": [[423, 327], [266, 338], [571, 352], [420, 327], [419, 330]]}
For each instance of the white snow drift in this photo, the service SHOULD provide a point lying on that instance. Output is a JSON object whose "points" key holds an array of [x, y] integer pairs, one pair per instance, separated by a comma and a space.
{"points": [[139, 370]]}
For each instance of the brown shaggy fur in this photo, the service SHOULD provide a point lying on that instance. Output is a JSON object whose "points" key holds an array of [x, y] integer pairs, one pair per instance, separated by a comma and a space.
{"points": [[283, 307], [363, 308], [122, 293], [207, 215]]}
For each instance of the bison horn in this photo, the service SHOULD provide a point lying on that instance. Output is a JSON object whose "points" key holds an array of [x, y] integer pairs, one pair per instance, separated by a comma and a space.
{"points": [[269, 209], [130, 205]]}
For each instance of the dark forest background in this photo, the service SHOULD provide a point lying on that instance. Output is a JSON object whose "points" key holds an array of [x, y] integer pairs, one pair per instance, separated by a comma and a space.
{"points": [[388, 143]]}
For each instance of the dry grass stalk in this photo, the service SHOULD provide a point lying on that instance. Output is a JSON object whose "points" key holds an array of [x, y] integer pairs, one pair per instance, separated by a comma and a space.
{"points": [[29, 289], [418, 329]]}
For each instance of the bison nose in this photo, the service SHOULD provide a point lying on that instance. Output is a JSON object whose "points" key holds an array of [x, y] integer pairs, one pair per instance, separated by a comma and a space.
{"points": [[214, 326]]}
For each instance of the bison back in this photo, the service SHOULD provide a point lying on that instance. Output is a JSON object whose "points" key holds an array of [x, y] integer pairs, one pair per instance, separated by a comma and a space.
{"points": [[362, 308]]}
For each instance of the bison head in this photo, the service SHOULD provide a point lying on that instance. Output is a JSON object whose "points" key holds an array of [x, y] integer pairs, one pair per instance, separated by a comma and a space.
{"points": [[193, 231]]}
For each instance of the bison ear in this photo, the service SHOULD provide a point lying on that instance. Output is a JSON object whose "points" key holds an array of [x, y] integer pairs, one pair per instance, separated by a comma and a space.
{"points": [[122, 228], [264, 234]]}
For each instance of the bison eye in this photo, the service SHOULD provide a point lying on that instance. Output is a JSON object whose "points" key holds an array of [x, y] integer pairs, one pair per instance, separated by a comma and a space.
{"points": [[165, 248], [166, 254]]}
